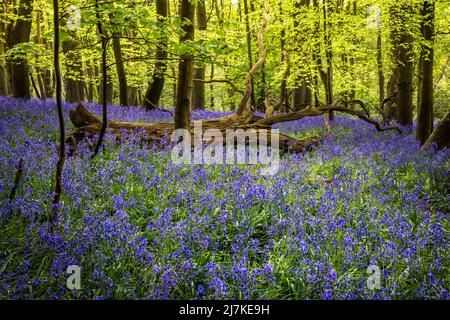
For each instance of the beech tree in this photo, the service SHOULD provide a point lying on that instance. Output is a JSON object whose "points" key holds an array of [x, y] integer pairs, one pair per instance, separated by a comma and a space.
{"points": [[198, 98], [155, 88], [426, 61], [185, 68], [17, 33]]}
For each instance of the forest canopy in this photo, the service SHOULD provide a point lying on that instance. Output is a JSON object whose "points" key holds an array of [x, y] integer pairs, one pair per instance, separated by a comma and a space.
{"points": [[356, 42]]}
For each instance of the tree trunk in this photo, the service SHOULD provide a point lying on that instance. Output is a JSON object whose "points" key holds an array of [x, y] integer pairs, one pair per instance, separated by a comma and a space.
{"points": [[211, 87], [91, 79], [104, 42], [73, 64], [185, 70], [404, 84], [441, 135], [302, 91], [328, 55], [249, 51], [155, 88], [380, 63], [3, 70], [121, 75], [402, 56], [18, 66], [283, 94], [62, 146], [3, 74], [132, 96], [198, 97], [109, 96], [38, 40], [425, 91]]}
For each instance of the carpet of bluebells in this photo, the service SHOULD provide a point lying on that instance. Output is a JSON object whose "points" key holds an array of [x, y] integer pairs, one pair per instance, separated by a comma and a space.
{"points": [[141, 227]]}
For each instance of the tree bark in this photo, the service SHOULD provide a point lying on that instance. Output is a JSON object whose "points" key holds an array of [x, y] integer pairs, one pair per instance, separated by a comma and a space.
{"points": [[155, 88], [425, 91], [302, 91], [402, 56], [18, 66], [109, 95], [185, 70], [380, 63], [88, 125], [328, 55], [198, 94], [72, 66], [120, 68], [404, 84], [104, 42], [249, 52], [3, 70], [62, 146], [441, 135]]}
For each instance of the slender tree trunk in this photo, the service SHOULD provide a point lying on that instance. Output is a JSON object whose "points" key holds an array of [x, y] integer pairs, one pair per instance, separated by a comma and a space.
{"points": [[425, 92], [38, 40], [406, 69], [328, 55], [70, 77], [302, 91], [318, 72], [3, 74], [351, 57], [90, 81], [185, 70], [198, 98], [132, 96], [249, 51], [155, 88], [74, 66], [62, 134], [109, 95], [390, 108], [47, 74], [18, 66], [3, 70], [104, 41], [284, 97], [211, 87], [33, 83], [121, 75], [380, 62]]}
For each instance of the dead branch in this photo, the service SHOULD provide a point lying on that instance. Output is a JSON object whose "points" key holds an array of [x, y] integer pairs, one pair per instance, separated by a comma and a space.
{"points": [[319, 111]]}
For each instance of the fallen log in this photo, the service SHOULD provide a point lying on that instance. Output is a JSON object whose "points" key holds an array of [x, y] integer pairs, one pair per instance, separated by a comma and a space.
{"points": [[88, 125]]}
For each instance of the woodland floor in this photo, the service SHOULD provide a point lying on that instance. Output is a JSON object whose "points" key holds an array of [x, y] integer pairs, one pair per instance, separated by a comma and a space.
{"points": [[142, 227]]}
